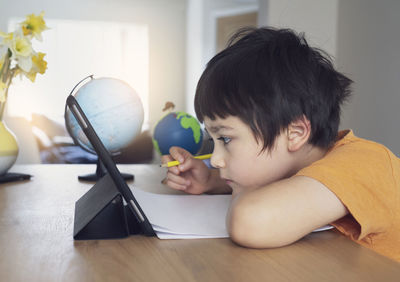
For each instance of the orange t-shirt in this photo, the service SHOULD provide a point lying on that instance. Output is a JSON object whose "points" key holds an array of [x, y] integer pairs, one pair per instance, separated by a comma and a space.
{"points": [[365, 176]]}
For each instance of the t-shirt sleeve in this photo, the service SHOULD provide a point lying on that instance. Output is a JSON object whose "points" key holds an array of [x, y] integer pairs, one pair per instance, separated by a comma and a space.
{"points": [[360, 174]]}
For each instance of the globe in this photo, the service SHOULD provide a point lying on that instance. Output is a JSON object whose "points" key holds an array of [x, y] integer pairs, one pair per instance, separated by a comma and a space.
{"points": [[113, 108], [177, 129]]}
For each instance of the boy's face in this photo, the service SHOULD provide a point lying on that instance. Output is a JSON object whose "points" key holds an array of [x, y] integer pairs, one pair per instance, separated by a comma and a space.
{"points": [[239, 158]]}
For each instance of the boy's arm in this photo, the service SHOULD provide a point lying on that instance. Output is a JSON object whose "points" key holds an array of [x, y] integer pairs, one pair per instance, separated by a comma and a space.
{"points": [[282, 212]]}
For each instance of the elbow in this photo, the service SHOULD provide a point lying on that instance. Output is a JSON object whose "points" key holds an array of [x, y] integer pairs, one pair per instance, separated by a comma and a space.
{"points": [[247, 228], [239, 229]]}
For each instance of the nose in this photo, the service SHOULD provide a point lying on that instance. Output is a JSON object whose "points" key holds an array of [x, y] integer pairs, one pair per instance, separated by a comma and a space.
{"points": [[217, 160]]}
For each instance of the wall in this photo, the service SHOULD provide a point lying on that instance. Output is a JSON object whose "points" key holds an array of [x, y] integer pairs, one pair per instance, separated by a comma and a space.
{"points": [[201, 36], [167, 26], [368, 51], [363, 37], [317, 18]]}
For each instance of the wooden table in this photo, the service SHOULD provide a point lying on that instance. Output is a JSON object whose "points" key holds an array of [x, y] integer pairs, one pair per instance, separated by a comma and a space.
{"points": [[36, 244]]}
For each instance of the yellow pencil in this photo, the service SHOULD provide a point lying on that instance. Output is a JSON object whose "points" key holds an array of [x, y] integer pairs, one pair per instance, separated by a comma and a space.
{"points": [[174, 163]]}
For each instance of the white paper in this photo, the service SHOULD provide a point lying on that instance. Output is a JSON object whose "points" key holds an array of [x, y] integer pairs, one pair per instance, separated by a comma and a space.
{"points": [[323, 228], [187, 216]]}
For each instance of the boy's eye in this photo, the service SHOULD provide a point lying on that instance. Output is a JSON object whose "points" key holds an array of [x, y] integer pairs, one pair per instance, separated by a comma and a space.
{"points": [[224, 139]]}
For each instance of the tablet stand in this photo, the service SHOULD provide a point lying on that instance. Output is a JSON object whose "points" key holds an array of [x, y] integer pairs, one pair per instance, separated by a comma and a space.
{"points": [[101, 214]]}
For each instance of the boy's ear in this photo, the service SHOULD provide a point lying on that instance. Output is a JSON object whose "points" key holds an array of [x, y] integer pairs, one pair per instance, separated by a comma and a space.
{"points": [[298, 133]]}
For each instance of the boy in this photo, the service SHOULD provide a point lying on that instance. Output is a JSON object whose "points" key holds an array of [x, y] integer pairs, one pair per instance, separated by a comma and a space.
{"points": [[271, 104]]}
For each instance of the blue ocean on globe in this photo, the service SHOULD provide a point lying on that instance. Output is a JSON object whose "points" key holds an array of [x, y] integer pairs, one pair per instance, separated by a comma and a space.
{"points": [[177, 129]]}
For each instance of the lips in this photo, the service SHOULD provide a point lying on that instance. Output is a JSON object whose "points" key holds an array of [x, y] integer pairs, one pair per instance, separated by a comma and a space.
{"points": [[228, 181]]}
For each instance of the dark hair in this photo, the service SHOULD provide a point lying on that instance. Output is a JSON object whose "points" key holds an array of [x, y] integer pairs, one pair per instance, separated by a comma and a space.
{"points": [[269, 78]]}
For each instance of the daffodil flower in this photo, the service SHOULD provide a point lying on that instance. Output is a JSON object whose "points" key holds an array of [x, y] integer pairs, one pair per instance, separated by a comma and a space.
{"points": [[22, 51], [34, 25], [6, 36], [3, 45], [39, 66], [17, 56]]}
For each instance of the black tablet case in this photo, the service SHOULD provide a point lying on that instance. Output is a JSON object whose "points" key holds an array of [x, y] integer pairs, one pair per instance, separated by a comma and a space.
{"points": [[101, 212]]}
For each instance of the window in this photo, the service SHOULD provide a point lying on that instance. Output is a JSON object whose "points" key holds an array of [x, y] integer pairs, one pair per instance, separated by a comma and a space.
{"points": [[74, 50]]}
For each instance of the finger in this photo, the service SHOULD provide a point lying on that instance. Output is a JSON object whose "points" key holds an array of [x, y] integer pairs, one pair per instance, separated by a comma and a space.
{"points": [[176, 186], [177, 179], [188, 164], [174, 170], [166, 158], [179, 154]]}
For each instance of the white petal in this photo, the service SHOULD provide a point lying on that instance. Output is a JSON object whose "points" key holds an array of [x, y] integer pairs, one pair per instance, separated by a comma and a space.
{"points": [[38, 36], [19, 32], [25, 63]]}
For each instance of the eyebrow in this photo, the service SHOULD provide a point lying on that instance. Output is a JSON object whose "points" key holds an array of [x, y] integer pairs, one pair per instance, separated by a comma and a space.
{"points": [[215, 129]]}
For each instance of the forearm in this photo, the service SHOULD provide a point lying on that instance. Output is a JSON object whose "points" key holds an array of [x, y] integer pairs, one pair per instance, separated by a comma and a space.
{"points": [[282, 212], [252, 225], [217, 185]]}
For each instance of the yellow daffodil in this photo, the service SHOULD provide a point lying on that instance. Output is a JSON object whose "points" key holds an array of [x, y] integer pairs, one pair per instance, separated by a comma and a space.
{"points": [[21, 46], [22, 51], [39, 62], [34, 25], [17, 56], [5, 43], [31, 75], [39, 66], [6, 36]]}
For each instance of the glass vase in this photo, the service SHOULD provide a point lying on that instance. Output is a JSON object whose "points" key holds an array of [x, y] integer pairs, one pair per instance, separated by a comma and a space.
{"points": [[8, 148]]}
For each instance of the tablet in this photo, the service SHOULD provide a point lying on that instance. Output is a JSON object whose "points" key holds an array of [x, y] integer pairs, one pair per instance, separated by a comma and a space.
{"points": [[111, 167]]}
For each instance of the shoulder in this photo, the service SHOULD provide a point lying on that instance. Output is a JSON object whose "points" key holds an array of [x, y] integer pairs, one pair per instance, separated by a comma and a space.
{"points": [[350, 144], [364, 175], [352, 157]]}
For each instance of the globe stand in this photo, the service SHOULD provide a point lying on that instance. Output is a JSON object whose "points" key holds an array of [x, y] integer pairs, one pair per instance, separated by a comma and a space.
{"points": [[13, 176], [100, 172]]}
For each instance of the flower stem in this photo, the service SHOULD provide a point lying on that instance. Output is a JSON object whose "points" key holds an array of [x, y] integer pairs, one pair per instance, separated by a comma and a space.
{"points": [[6, 76], [6, 67], [3, 105]]}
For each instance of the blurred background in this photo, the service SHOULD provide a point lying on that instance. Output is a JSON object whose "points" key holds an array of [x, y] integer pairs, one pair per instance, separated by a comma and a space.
{"points": [[160, 47]]}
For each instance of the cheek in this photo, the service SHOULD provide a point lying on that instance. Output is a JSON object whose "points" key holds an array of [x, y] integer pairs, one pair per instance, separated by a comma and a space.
{"points": [[256, 172], [248, 172]]}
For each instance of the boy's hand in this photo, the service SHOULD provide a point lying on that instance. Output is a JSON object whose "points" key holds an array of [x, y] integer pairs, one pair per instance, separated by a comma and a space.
{"points": [[191, 175]]}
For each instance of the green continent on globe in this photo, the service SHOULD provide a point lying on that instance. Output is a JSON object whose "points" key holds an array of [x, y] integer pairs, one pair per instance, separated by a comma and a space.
{"points": [[188, 121]]}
